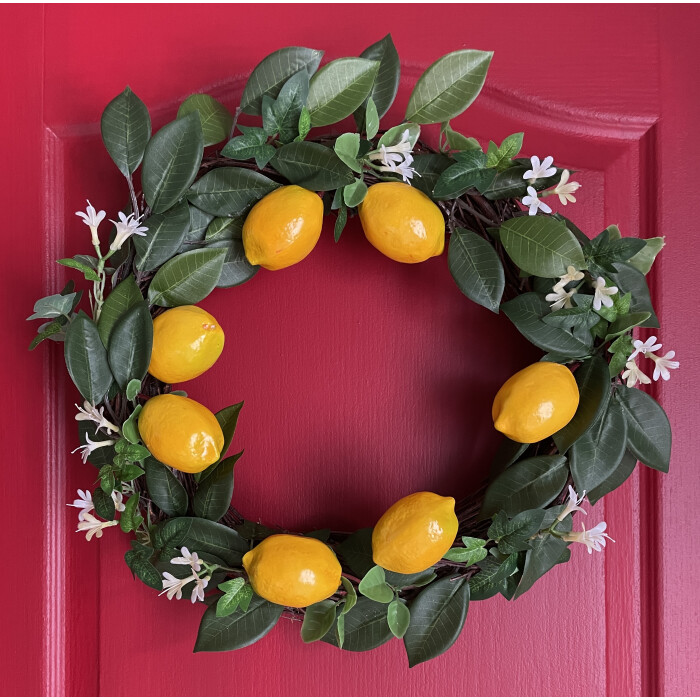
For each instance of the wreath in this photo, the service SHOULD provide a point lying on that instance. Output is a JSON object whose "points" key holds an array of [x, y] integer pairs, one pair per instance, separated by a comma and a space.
{"points": [[578, 299]]}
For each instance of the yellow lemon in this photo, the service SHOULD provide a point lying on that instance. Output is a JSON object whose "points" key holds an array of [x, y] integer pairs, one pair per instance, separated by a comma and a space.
{"points": [[181, 433], [187, 341], [414, 533], [283, 227], [403, 223], [292, 570], [535, 402]]}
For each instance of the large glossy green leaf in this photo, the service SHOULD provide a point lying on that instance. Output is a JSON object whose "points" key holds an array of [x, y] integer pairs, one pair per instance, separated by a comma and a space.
{"points": [[166, 232], [596, 454], [187, 278], [288, 106], [312, 166], [488, 582], [526, 312], [215, 119], [171, 162], [476, 268], [165, 489], [124, 296], [339, 88], [429, 166], [546, 552], [593, 381], [629, 279], [513, 535], [356, 550], [239, 629], [622, 472], [229, 191], [227, 419], [86, 359], [531, 483], [648, 428], [541, 245], [386, 84], [366, 627], [126, 128], [448, 86], [236, 269], [130, 344], [214, 494], [437, 618], [644, 259], [318, 619], [272, 73]]}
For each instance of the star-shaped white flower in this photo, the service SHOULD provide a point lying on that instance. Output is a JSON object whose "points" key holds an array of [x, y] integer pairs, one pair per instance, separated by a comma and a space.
{"points": [[593, 539], [565, 189], [92, 219], [172, 587], [84, 502], [534, 203], [664, 364], [602, 294], [90, 412], [198, 590], [118, 499], [127, 226], [400, 167], [90, 447], [633, 375], [187, 558], [561, 299], [539, 170], [90, 525], [642, 348], [571, 275], [572, 504]]}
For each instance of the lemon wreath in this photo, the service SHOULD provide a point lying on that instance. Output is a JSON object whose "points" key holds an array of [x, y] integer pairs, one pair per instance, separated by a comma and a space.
{"points": [[574, 424]]}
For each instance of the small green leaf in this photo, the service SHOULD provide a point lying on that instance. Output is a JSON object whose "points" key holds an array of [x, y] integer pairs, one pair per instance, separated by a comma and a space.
{"points": [[129, 472], [355, 193], [53, 306], [363, 628], [143, 569], [459, 142], [374, 586], [130, 346], [340, 222], [124, 296], [644, 259], [304, 123], [215, 119], [251, 144], [213, 497], [500, 157], [629, 279], [371, 119], [346, 147], [393, 136], [318, 619], [130, 428], [165, 488], [472, 552], [238, 595], [494, 570], [626, 322], [131, 518], [350, 599], [104, 505], [290, 104], [546, 552], [386, 84], [468, 172], [132, 389], [87, 271], [398, 618], [107, 480]]}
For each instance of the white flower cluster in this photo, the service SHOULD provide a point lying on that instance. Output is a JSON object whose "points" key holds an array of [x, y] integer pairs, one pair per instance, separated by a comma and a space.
{"points": [[594, 539], [172, 586], [539, 170], [396, 159], [126, 227], [662, 364]]}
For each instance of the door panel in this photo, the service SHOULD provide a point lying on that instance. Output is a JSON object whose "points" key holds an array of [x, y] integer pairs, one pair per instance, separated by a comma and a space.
{"points": [[362, 379]]}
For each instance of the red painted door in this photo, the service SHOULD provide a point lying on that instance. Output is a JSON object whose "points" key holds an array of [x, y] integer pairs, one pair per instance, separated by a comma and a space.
{"points": [[363, 380]]}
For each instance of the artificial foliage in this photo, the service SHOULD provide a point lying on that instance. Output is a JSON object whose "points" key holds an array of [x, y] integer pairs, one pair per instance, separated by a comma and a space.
{"points": [[578, 298]]}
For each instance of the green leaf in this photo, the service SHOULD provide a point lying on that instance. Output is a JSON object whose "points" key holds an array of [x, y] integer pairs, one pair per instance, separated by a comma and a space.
{"points": [[87, 271], [107, 480], [86, 359], [318, 619], [437, 618], [238, 594], [227, 419], [531, 483], [526, 312], [215, 119], [312, 166], [472, 552], [355, 193], [398, 618], [448, 86], [626, 322], [430, 167], [374, 586], [457, 141], [229, 191], [596, 454], [144, 570], [593, 381], [514, 535], [468, 172], [165, 489], [356, 550], [104, 505], [166, 232], [541, 245], [386, 83], [644, 259], [546, 552], [507, 453], [224, 228], [393, 136], [239, 629], [187, 278], [130, 346], [622, 472], [129, 472], [510, 183], [289, 105], [629, 279], [53, 306], [365, 627], [494, 570], [340, 222], [648, 428], [339, 88], [604, 251], [274, 71], [500, 157], [304, 124], [102, 455], [126, 129], [346, 147], [125, 296], [213, 497], [132, 389], [131, 517], [236, 269], [251, 144], [171, 162], [476, 268], [130, 428], [48, 330], [371, 118], [350, 599], [399, 581]]}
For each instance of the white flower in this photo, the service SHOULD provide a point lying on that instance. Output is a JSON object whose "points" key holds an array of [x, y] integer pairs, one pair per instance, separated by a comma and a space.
{"points": [[90, 412], [572, 275], [399, 167], [173, 586], [118, 499], [593, 539], [91, 446], [188, 558], [534, 203], [198, 590], [648, 346], [92, 219], [126, 226], [403, 147], [602, 294], [565, 189], [90, 525], [561, 299], [633, 375], [84, 501], [572, 505], [539, 170], [663, 364]]}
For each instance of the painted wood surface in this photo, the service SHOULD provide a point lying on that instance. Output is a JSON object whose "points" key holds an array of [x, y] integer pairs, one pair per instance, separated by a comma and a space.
{"points": [[363, 379]]}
